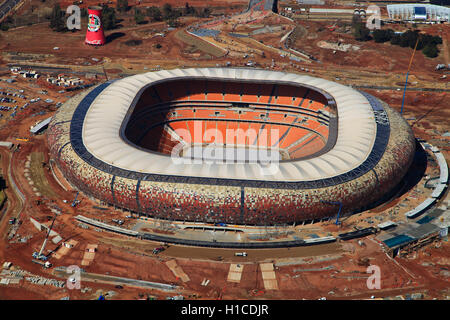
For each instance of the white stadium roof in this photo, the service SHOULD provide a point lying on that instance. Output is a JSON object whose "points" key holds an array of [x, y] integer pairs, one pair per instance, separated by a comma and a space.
{"points": [[355, 138]]}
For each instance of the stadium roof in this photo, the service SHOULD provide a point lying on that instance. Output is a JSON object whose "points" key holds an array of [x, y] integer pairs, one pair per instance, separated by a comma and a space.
{"points": [[357, 129], [41, 125]]}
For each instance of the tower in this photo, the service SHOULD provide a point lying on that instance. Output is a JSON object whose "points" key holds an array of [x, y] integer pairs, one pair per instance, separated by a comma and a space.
{"points": [[94, 33]]}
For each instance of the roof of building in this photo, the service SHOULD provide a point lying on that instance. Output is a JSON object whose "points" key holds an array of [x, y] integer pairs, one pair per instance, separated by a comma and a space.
{"points": [[40, 125], [106, 114]]}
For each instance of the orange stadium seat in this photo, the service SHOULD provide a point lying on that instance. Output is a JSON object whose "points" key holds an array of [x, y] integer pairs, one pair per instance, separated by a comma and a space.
{"points": [[230, 132], [286, 94], [250, 93], [276, 117], [215, 96], [221, 127], [233, 91], [181, 128], [314, 145], [256, 126], [264, 136], [197, 129], [203, 113], [185, 113], [248, 115], [292, 136], [243, 131], [210, 128], [282, 130], [197, 91]]}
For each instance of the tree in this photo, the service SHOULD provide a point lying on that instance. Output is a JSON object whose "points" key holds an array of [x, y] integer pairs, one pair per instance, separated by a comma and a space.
{"points": [[154, 13], [430, 50], [138, 16], [205, 13], [361, 33], [395, 40], [4, 27], [170, 15], [57, 22], [188, 10], [167, 11], [109, 19], [440, 2], [122, 5], [381, 35]]}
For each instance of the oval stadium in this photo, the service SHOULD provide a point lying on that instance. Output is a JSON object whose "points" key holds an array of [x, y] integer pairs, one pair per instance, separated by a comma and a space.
{"points": [[231, 145]]}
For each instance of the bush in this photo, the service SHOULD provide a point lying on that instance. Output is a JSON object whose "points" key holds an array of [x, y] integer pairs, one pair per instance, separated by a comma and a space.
{"points": [[381, 36], [361, 33], [440, 2], [154, 13], [122, 5], [430, 50], [4, 27], [57, 22], [395, 40], [139, 16], [109, 19], [133, 42]]}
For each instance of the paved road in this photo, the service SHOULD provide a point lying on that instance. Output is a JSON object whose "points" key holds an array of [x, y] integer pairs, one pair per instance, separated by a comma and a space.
{"points": [[396, 88], [7, 6], [95, 277]]}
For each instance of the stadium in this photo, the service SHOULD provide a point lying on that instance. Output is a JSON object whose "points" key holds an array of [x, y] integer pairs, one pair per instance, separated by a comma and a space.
{"points": [[231, 145]]}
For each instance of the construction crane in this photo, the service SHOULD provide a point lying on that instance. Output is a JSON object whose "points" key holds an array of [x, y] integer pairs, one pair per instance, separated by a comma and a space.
{"points": [[39, 255], [407, 74], [74, 203], [340, 208]]}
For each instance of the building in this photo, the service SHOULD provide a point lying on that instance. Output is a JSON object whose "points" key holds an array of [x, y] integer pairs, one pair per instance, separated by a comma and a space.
{"points": [[40, 126], [145, 144], [418, 12]]}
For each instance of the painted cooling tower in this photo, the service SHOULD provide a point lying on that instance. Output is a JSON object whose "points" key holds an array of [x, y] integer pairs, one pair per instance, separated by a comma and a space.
{"points": [[94, 33]]}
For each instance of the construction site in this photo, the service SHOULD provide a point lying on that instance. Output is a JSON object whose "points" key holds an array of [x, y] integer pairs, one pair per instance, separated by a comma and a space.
{"points": [[59, 243]]}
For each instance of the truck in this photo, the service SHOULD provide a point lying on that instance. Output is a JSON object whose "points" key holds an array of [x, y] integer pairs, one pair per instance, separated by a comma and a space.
{"points": [[240, 254], [45, 264], [158, 250]]}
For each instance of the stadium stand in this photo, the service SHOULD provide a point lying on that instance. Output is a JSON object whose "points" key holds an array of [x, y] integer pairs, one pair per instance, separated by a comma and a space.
{"points": [[220, 198]]}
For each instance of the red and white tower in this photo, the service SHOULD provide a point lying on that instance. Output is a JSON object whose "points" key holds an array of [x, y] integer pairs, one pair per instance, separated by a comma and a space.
{"points": [[94, 33]]}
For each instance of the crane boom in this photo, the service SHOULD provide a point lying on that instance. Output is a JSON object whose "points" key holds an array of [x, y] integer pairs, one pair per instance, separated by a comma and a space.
{"points": [[46, 237]]}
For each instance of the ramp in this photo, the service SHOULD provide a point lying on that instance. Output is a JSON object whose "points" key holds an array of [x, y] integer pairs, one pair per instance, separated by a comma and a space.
{"points": [[89, 254], [177, 271], [269, 277], [235, 273]]}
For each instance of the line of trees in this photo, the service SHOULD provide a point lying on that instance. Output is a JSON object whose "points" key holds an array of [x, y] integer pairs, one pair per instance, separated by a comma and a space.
{"points": [[109, 18], [427, 43], [440, 2], [58, 18], [360, 31], [168, 13]]}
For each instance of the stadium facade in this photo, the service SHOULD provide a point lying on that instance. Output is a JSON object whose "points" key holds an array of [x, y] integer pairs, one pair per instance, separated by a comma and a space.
{"points": [[115, 142]]}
